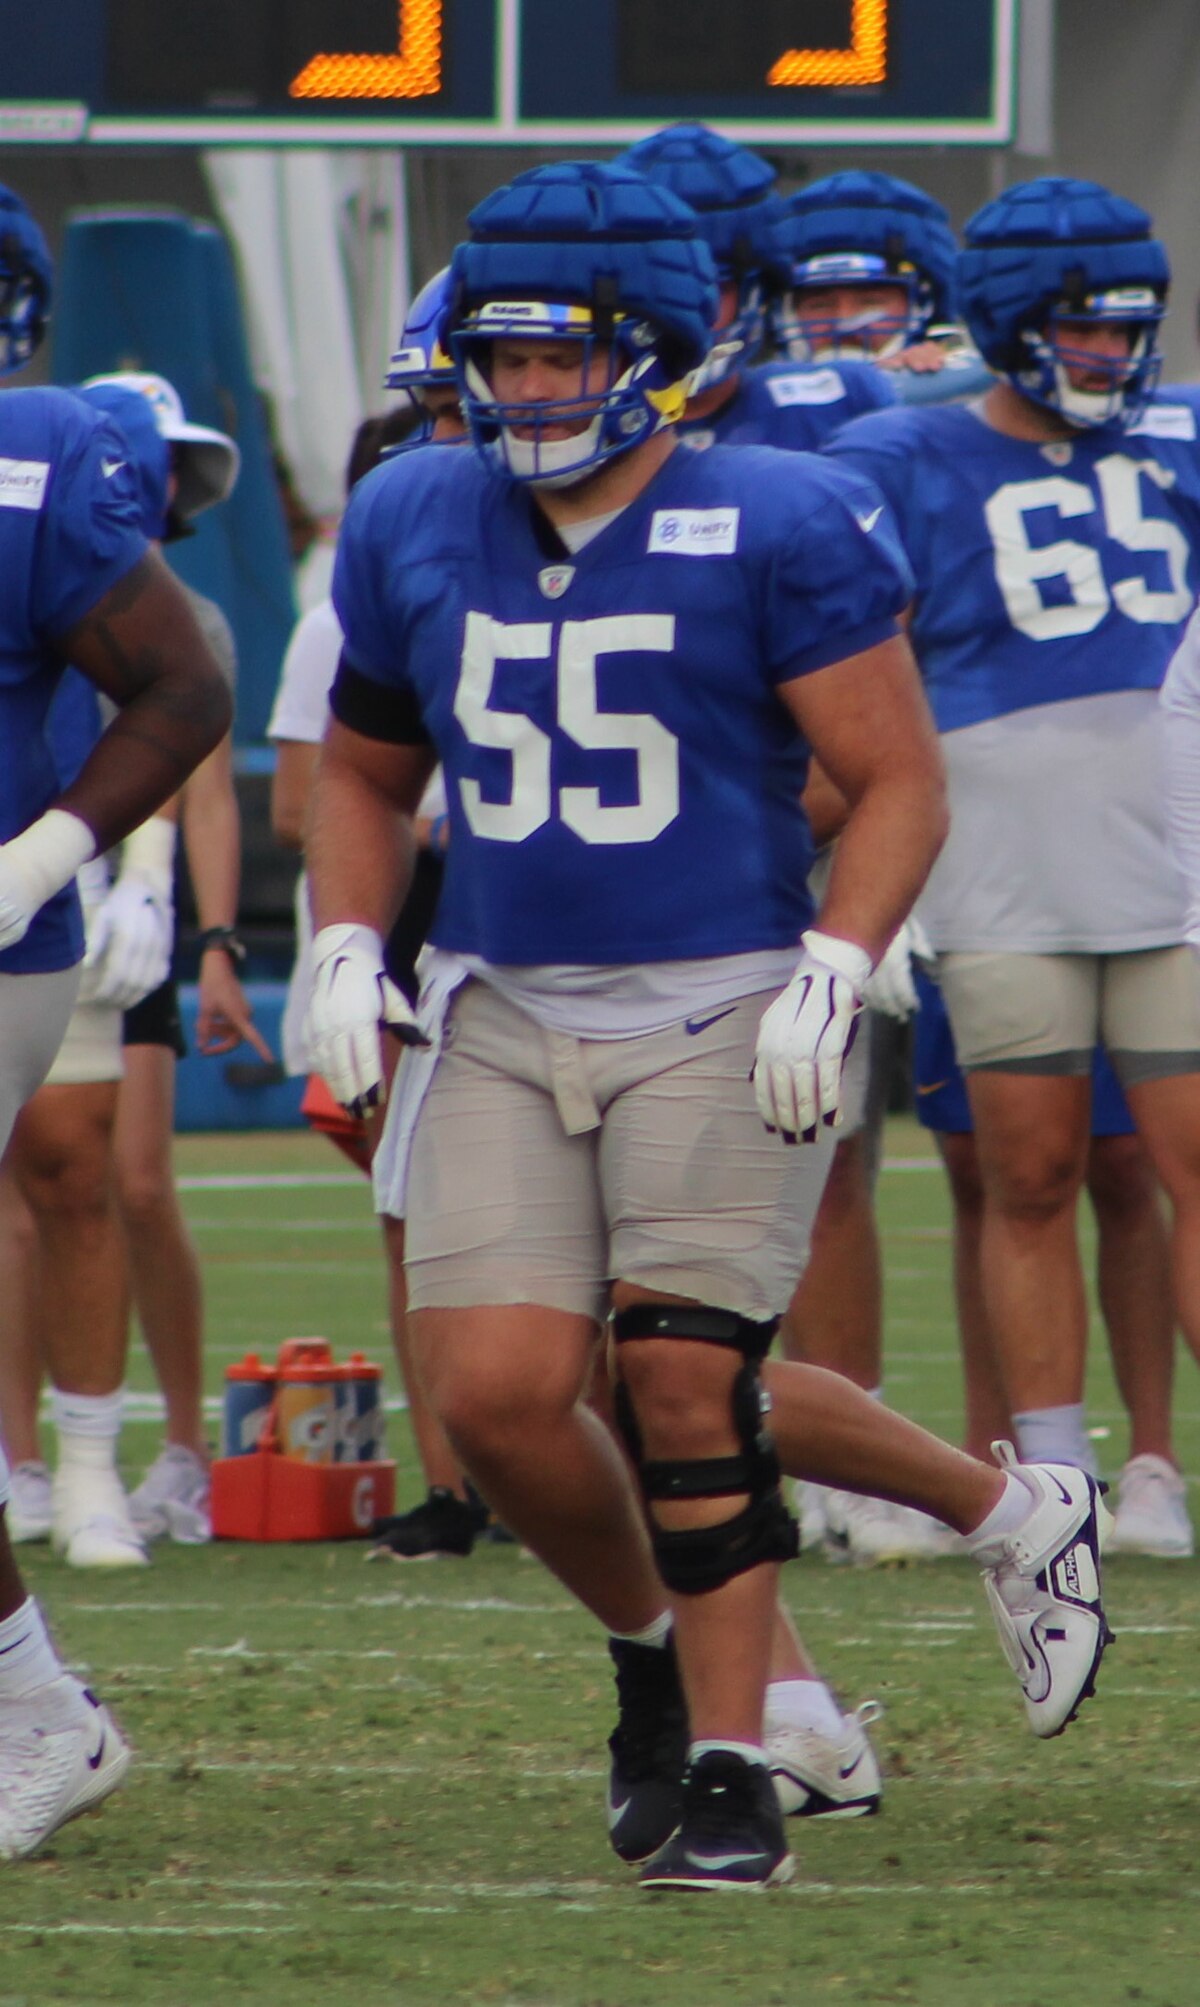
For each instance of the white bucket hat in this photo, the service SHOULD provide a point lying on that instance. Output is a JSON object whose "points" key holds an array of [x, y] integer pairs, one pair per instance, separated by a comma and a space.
{"points": [[206, 462]]}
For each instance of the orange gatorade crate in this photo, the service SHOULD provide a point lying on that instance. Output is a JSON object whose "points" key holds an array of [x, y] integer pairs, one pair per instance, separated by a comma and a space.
{"points": [[301, 1446], [273, 1497]]}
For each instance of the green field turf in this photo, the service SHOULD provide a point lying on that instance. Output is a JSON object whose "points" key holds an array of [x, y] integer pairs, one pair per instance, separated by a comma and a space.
{"points": [[363, 1785]]}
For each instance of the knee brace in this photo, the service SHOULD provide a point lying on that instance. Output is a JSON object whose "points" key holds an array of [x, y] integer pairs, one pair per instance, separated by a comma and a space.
{"points": [[700, 1558]]}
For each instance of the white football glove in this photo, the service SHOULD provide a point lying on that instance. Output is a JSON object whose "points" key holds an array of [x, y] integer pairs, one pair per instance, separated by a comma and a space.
{"points": [[131, 936], [37, 864], [352, 1000], [805, 1035], [890, 988]]}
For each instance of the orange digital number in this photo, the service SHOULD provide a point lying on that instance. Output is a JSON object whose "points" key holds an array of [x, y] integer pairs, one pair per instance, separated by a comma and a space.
{"points": [[864, 62], [415, 71]]}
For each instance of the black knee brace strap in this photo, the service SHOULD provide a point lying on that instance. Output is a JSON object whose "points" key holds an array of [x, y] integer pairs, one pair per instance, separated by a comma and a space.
{"points": [[706, 1557]]}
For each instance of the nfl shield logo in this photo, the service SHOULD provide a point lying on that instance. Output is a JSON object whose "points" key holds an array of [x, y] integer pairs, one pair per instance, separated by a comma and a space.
{"points": [[1058, 452], [555, 579]]}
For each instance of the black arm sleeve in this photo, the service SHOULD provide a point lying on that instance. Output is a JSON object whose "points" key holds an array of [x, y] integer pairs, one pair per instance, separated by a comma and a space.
{"points": [[377, 710]]}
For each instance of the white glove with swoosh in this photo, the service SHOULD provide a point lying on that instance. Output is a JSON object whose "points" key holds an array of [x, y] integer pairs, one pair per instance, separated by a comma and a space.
{"points": [[131, 937], [353, 999], [805, 1035], [890, 988]]}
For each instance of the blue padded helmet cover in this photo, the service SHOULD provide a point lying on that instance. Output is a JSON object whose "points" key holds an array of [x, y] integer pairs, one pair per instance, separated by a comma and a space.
{"points": [[598, 234], [1045, 242], [727, 186], [876, 213]]}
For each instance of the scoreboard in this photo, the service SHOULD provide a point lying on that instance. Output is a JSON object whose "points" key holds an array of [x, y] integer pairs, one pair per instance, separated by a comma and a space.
{"points": [[535, 72]]}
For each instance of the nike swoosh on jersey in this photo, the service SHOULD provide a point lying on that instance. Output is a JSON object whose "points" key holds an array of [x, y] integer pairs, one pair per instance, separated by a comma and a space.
{"points": [[695, 1025], [868, 522], [110, 467], [933, 1088]]}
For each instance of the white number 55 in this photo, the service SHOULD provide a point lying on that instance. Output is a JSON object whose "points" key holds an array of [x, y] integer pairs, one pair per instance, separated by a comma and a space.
{"points": [[531, 799]]}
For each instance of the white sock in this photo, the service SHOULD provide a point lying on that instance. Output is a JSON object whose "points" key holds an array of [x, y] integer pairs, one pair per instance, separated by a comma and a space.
{"points": [[803, 1703], [1010, 1511], [27, 1657], [658, 1633], [750, 1752], [1055, 1435], [88, 1426]]}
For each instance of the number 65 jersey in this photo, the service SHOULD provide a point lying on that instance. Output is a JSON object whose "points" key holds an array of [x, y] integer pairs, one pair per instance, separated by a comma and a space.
{"points": [[623, 778], [1053, 581]]}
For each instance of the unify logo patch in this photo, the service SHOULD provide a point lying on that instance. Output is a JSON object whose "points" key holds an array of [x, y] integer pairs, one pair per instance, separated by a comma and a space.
{"points": [[810, 386], [23, 483], [694, 532]]}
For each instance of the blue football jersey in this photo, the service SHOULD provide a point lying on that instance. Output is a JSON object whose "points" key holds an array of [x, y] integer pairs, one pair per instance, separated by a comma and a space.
{"points": [[69, 529], [792, 405], [1044, 572], [623, 779]]}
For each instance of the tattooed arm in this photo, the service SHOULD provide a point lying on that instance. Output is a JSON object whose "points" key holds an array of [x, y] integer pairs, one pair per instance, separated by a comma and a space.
{"points": [[141, 645]]}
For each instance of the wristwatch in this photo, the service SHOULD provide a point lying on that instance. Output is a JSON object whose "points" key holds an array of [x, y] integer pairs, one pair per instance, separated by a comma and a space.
{"points": [[222, 937]]}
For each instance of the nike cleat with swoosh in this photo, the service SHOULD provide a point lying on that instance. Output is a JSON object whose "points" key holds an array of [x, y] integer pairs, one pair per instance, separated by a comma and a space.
{"points": [[1043, 1583], [731, 1832], [648, 1748], [825, 1776], [61, 1754]]}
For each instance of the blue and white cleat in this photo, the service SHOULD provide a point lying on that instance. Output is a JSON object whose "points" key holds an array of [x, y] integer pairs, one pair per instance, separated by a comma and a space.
{"points": [[1043, 1583]]}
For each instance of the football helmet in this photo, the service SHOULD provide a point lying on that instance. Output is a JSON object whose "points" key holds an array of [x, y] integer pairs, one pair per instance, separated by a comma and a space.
{"points": [[420, 358], [1055, 252], [26, 275], [421, 362], [853, 230], [593, 255], [730, 190]]}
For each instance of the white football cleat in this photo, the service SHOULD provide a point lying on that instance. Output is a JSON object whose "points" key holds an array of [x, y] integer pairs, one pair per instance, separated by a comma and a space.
{"points": [[1151, 1515], [873, 1531], [28, 1515], [811, 1502], [1043, 1583], [91, 1526], [173, 1498], [823, 1776], [61, 1753]]}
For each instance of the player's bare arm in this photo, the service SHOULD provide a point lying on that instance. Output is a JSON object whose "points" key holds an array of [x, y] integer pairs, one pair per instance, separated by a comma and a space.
{"points": [[142, 647], [360, 843], [870, 729]]}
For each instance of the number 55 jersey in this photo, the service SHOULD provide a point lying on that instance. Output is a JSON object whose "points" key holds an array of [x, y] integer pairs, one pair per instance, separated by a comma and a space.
{"points": [[622, 775], [1053, 581]]}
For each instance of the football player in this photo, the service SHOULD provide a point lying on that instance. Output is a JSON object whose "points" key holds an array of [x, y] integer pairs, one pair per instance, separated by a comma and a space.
{"points": [[78, 584], [732, 395], [1053, 528], [758, 244], [621, 654], [871, 279]]}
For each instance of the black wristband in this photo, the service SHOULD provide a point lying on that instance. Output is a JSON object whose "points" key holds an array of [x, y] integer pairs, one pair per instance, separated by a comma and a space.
{"points": [[222, 937]]}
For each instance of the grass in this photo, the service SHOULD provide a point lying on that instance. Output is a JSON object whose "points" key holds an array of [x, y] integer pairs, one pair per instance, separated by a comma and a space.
{"points": [[366, 1785]]}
